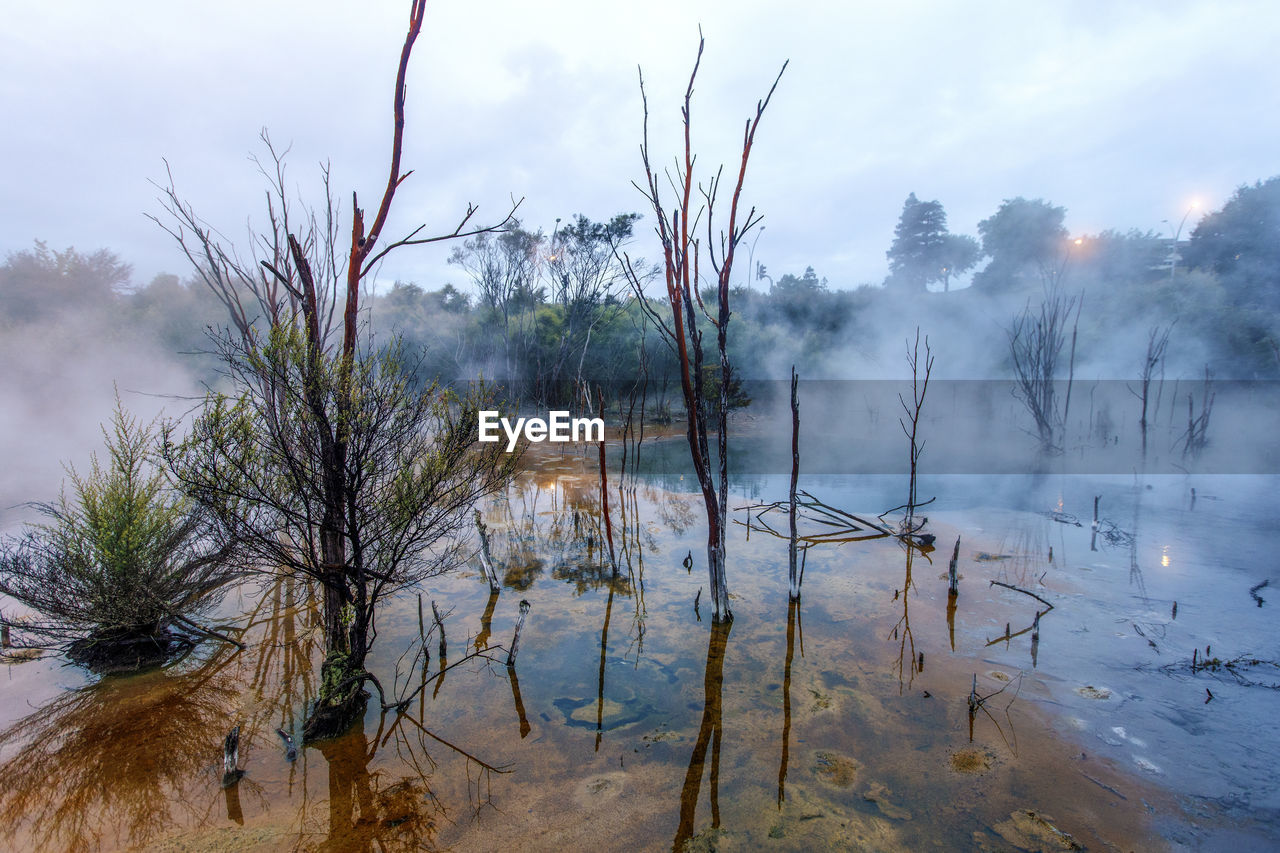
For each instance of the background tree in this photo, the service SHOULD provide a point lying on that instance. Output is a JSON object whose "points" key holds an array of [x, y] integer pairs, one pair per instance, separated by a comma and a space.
{"points": [[919, 248], [504, 268], [587, 277], [960, 253], [40, 282], [924, 251], [797, 298], [1241, 243], [1024, 238], [1130, 257]]}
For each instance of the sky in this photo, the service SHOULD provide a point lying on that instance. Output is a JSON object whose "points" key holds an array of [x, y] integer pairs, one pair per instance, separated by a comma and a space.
{"points": [[1124, 113]]}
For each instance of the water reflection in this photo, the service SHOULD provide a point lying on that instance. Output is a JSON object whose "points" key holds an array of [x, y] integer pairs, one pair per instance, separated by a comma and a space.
{"points": [[910, 661], [420, 779], [952, 601], [89, 759], [366, 810], [525, 727], [559, 531], [131, 758], [1135, 572], [794, 628], [604, 651], [138, 752], [709, 735]]}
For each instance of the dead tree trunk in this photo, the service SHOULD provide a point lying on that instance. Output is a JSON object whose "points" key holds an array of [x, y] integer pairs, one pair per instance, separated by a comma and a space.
{"points": [[515, 637], [604, 494], [953, 579], [793, 575], [678, 320], [231, 772], [1093, 536], [1157, 342], [1197, 436], [486, 558], [918, 390]]}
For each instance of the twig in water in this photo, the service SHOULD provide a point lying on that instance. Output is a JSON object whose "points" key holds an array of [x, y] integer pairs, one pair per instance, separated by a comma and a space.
{"points": [[953, 587], [230, 758], [515, 638], [290, 751], [1024, 592]]}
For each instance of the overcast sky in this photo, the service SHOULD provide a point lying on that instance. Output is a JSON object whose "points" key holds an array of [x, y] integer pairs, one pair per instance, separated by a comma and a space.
{"points": [[1121, 112]]}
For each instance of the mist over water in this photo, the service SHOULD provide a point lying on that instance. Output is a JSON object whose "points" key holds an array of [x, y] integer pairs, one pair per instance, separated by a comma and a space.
{"points": [[982, 427], [58, 387]]}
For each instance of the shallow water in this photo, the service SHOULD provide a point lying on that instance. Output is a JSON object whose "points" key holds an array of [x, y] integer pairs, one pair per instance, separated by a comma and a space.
{"points": [[630, 721]]}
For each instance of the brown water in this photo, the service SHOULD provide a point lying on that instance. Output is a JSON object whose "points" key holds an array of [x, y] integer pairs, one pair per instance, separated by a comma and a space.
{"points": [[632, 722]]}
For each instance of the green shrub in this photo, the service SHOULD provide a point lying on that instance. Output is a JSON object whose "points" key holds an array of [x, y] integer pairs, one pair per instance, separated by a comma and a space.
{"points": [[118, 570]]}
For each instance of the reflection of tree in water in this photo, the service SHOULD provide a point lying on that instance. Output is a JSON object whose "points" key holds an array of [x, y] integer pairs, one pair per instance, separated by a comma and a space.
{"points": [[514, 539], [709, 735], [128, 760], [122, 755], [1135, 572], [555, 527], [910, 661], [676, 512], [283, 655], [127, 751], [793, 628], [387, 808], [369, 809], [541, 525]]}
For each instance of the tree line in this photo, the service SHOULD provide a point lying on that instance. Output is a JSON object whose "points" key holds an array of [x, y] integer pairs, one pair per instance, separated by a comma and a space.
{"points": [[547, 312]]}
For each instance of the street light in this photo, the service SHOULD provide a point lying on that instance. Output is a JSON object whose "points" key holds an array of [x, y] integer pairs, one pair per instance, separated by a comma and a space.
{"points": [[1173, 253], [1066, 257], [751, 256]]}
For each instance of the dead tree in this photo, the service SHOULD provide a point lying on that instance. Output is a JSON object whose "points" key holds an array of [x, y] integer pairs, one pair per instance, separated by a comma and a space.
{"points": [[1036, 340], [793, 575], [486, 557], [953, 580], [1157, 343], [604, 493], [515, 637], [1196, 438], [329, 465], [919, 388], [677, 320], [231, 772]]}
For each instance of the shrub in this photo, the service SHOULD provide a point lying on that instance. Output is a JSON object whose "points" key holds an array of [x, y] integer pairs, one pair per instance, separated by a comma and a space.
{"points": [[117, 571]]}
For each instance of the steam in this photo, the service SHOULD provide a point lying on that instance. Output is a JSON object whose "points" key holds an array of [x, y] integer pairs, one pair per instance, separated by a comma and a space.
{"points": [[58, 386]]}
